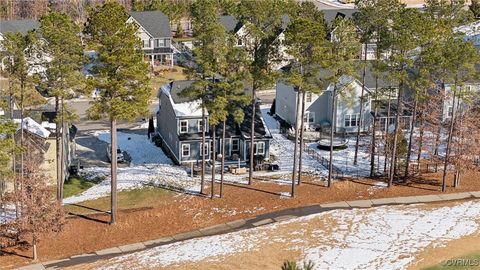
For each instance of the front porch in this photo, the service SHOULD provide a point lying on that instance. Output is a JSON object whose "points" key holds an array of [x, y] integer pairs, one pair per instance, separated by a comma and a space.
{"points": [[160, 60]]}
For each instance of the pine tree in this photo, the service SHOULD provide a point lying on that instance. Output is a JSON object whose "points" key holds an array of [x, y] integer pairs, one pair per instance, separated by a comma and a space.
{"points": [[63, 77], [462, 57], [408, 32], [22, 50], [122, 75], [232, 88], [262, 20], [340, 60], [373, 22], [304, 42], [210, 50]]}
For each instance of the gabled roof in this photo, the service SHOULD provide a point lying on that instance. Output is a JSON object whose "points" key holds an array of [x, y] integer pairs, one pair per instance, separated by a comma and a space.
{"points": [[18, 26], [154, 22], [33, 127], [331, 14], [182, 106], [230, 23]]}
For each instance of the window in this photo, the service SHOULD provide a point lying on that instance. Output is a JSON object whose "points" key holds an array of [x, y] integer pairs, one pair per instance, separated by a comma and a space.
{"points": [[235, 145], [185, 150], [200, 125], [308, 97], [260, 148], [205, 149], [309, 117], [183, 126], [160, 42], [352, 120], [449, 111], [239, 42], [146, 43]]}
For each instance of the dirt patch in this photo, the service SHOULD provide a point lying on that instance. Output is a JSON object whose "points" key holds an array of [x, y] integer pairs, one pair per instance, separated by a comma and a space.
{"points": [[454, 249], [182, 213]]}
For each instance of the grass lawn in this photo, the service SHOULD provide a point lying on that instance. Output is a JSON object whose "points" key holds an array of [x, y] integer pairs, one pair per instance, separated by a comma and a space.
{"points": [[165, 77], [471, 261], [135, 198], [76, 185]]}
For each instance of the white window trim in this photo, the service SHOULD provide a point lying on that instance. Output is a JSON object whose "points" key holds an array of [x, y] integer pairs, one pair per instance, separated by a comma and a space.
{"points": [[208, 149], [199, 125], [188, 146], [449, 111], [263, 148], [349, 117], [180, 126], [238, 145], [307, 116]]}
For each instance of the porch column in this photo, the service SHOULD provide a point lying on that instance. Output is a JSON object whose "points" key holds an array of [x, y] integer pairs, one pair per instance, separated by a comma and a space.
{"points": [[152, 60]]}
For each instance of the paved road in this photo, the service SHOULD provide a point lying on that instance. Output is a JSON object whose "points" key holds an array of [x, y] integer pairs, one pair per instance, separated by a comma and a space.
{"points": [[80, 107]]}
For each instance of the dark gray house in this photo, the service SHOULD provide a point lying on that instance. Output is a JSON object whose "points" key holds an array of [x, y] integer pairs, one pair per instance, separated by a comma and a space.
{"points": [[156, 35], [179, 122]]}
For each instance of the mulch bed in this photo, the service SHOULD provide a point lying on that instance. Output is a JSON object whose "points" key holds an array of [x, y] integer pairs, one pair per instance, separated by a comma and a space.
{"points": [[182, 213]]}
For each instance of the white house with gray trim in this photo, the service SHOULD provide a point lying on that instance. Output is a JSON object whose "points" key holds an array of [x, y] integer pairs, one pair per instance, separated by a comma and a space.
{"points": [[156, 35]]}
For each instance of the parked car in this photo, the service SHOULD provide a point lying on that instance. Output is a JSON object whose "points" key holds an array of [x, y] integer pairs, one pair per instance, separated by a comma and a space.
{"points": [[121, 155]]}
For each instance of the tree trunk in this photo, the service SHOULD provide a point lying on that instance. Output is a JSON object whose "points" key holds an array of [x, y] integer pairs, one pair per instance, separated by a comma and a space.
{"points": [[302, 122], [57, 141], [374, 131], [449, 140], [387, 124], [62, 151], [439, 130], [332, 126], [213, 156], [34, 250], [113, 195], [410, 141], [202, 152], [359, 128], [395, 136], [222, 172], [252, 134], [295, 148], [22, 89]]}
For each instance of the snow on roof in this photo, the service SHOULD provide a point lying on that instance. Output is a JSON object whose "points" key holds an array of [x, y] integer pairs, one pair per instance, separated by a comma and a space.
{"points": [[33, 127], [188, 108], [471, 31]]}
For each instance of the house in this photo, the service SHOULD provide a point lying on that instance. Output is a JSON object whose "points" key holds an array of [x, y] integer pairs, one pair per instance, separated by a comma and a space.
{"points": [[179, 125], [318, 106], [471, 32], [156, 35], [17, 26], [234, 26], [472, 86]]}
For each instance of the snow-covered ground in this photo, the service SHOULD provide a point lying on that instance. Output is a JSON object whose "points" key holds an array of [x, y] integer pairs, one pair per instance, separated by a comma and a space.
{"points": [[386, 237], [283, 148], [149, 167]]}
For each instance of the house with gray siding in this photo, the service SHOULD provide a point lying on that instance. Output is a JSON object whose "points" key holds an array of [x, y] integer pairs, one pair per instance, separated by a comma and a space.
{"points": [[318, 105], [179, 125], [156, 35]]}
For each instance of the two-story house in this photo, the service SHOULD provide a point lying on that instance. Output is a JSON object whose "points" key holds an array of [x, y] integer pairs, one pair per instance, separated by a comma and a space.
{"points": [[179, 125], [318, 105], [156, 35]]}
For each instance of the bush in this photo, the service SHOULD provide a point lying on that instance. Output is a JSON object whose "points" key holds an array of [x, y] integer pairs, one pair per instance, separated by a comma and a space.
{"points": [[292, 265]]}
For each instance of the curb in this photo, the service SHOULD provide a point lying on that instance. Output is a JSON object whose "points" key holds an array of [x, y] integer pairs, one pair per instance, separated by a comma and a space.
{"points": [[248, 223]]}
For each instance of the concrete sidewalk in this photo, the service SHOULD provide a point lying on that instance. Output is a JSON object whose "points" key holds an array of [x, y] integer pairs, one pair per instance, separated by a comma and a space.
{"points": [[243, 224]]}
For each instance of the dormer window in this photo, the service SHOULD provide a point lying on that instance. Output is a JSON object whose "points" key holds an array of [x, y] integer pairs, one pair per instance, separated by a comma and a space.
{"points": [[183, 126]]}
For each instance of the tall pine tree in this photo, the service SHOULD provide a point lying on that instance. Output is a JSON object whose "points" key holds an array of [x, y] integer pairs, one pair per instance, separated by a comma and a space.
{"points": [[122, 76]]}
